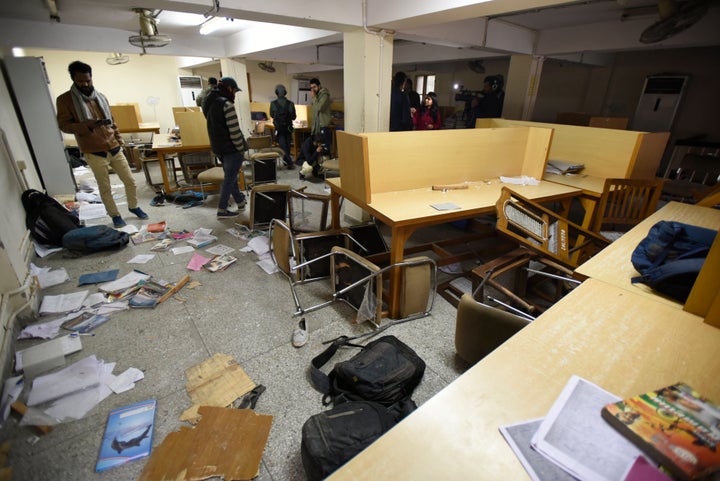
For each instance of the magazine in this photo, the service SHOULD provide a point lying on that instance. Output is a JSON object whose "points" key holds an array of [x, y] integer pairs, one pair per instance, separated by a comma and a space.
{"points": [[220, 263], [128, 435], [149, 294], [675, 425]]}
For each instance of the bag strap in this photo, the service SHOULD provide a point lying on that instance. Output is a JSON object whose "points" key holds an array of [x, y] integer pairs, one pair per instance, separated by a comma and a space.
{"points": [[320, 380]]}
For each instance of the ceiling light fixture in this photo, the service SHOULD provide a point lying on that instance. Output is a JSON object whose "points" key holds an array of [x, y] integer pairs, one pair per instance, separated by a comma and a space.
{"points": [[212, 24]]}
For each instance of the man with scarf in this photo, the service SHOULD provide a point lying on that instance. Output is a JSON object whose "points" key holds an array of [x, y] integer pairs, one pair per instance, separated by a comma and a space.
{"points": [[227, 142], [84, 112]]}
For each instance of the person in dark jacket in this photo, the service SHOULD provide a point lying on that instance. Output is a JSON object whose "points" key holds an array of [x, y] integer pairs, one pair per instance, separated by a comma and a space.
{"points": [[400, 117], [283, 113], [227, 141]]}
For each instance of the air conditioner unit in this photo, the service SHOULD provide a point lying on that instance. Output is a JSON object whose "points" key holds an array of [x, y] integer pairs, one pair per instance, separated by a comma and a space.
{"points": [[659, 102], [190, 87], [303, 84]]}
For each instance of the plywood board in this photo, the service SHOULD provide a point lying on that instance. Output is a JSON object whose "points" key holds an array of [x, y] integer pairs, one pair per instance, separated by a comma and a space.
{"points": [[193, 128], [216, 382], [353, 159], [126, 116], [226, 443]]}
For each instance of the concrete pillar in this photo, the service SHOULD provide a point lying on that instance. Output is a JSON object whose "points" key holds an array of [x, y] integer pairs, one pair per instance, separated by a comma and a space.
{"points": [[522, 86], [367, 75]]}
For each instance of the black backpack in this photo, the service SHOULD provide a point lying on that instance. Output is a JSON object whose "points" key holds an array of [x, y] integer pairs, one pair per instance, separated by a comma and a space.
{"points": [[332, 438], [47, 219], [282, 116], [669, 259], [385, 371], [96, 238]]}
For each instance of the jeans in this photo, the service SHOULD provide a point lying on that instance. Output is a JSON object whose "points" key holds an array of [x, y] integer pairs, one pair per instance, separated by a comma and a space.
{"points": [[231, 164]]}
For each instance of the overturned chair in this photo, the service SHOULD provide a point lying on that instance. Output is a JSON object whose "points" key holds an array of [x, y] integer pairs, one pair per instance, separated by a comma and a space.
{"points": [[353, 279]]}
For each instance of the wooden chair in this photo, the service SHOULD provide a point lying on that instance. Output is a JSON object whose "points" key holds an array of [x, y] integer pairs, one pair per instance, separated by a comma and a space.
{"points": [[695, 177], [480, 329], [545, 237], [624, 203]]}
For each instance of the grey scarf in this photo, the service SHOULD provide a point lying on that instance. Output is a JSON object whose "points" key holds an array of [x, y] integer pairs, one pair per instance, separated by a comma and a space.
{"points": [[81, 101]]}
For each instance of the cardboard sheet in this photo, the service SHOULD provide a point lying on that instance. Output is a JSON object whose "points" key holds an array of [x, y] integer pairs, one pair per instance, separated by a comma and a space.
{"points": [[216, 382], [228, 443]]}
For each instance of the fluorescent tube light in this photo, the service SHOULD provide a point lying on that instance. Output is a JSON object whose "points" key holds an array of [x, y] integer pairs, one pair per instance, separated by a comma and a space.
{"points": [[211, 25]]}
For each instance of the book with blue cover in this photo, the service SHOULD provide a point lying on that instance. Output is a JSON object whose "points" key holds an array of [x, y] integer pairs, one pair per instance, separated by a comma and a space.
{"points": [[128, 434]]}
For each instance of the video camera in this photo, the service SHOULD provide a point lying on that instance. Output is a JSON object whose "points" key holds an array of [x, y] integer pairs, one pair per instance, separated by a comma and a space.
{"points": [[467, 95]]}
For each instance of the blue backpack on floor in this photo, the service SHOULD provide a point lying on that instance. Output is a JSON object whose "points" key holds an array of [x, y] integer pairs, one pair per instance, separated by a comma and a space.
{"points": [[669, 259], [96, 238]]}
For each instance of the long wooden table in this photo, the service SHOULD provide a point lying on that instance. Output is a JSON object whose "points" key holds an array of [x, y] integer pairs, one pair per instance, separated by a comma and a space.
{"points": [[612, 264], [624, 342], [407, 210], [163, 144]]}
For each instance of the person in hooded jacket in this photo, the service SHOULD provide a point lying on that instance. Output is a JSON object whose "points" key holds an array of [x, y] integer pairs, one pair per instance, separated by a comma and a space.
{"points": [[283, 113]]}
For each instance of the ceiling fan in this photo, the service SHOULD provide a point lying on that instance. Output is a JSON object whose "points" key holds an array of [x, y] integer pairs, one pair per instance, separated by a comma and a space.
{"points": [[149, 36], [675, 17], [117, 58], [267, 66]]}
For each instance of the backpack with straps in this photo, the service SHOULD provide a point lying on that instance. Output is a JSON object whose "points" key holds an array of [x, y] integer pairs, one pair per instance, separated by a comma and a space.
{"points": [[282, 118], [386, 371], [670, 257], [96, 238], [331, 438], [46, 218]]}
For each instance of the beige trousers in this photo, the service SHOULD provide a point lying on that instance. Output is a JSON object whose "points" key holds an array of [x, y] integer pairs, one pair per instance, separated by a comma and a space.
{"points": [[100, 167]]}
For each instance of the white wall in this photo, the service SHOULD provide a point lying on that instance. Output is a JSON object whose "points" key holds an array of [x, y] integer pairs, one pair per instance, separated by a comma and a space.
{"points": [[143, 77]]}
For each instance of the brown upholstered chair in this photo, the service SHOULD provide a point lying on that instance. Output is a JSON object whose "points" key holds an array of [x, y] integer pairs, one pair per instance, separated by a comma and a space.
{"points": [[480, 329]]}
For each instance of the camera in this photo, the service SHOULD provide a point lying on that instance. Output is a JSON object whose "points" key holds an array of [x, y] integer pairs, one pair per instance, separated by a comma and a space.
{"points": [[466, 95], [105, 122]]}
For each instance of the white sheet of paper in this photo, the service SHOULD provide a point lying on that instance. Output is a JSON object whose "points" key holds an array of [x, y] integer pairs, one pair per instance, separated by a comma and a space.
{"points": [[92, 211], [519, 180], [141, 259], [52, 278], [129, 228], [44, 251], [182, 249], [77, 377], [128, 280], [220, 249], [260, 244], [445, 206], [268, 266], [126, 380]]}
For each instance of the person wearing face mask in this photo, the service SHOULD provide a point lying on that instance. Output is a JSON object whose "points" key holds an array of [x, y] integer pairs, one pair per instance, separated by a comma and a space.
{"points": [[85, 113]]}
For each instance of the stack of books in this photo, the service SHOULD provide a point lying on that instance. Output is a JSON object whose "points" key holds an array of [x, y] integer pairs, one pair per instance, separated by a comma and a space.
{"points": [[562, 167], [591, 435]]}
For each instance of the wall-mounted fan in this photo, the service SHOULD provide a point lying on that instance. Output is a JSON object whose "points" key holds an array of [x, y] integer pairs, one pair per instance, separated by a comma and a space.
{"points": [[267, 66], [149, 36], [675, 16], [476, 66], [117, 58]]}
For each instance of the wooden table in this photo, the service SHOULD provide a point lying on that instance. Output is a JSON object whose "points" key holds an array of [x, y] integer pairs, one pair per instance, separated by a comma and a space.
{"points": [[591, 187], [612, 264], [625, 343], [407, 210], [162, 144], [144, 127]]}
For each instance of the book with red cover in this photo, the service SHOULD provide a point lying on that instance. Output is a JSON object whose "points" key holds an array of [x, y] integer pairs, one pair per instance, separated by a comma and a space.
{"points": [[675, 426]]}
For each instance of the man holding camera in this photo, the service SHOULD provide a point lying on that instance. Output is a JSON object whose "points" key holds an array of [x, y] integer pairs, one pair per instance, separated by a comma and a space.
{"points": [[85, 113]]}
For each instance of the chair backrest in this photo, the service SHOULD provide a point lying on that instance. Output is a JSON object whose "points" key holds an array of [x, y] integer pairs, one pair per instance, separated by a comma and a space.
{"points": [[624, 203], [267, 202], [480, 329], [282, 246], [349, 268], [257, 142], [312, 245], [694, 178], [418, 284], [545, 231], [307, 212]]}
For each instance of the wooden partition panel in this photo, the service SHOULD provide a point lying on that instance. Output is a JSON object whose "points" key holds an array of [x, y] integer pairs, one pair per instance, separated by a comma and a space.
{"points": [[606, 153], [420, 159], [193, 128], [126, 116], [353, 158]]}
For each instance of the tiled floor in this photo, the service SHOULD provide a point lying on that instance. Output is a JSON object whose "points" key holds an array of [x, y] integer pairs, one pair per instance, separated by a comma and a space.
{"points": [[242, 312]]}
